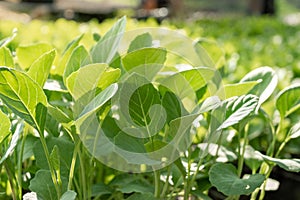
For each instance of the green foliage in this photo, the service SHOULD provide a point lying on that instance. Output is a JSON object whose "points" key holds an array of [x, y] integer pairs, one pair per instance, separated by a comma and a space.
{"points": [[86, 112], [226, 180]]}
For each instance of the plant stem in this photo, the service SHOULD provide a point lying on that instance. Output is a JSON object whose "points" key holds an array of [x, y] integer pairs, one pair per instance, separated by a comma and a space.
{"points": [[20, 158], [11, 181], [52, 171], [187, 185], [166, 186], [157, 183], [241, 153], [72, 167]]}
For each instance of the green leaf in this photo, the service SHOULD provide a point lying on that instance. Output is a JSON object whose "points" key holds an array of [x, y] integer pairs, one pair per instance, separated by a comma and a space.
{"points": [[69, 195], [237, 108], [40, 68], [224, 177], [268, 82], [138, 107], [23, 96], [4, 126], [99, 100], [4, 42], [14, 141], [294, 131], [292, 165], [144, 196], [78, 58], [28, 54], [147, 61], [90, 77], [185, 83], [100, 189], [140, 103], [288, 100], [141, 41], [105, 50], [43, 186], [66, 56], [58, 115], [239, 89], [6, 58], [173, 106], [127, 183], [66, 149]]}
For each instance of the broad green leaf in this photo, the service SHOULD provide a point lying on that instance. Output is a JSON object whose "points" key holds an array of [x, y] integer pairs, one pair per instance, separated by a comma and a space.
{"points": [[223, 154], [141, 41], [14, 141], [154, 145], [239, 89], [185, 83], [238, 108], [198, 77], [4, 126], [205, 59], [100, 189], [4, 42], [40, 68], [6, 58], [69, 195], [99, 100], [105, 50], [66, 149], [138, 107], [129, 143], [292, 165], [66, 56], [224, 177], [147, 61], [28, 54], [78, 58], [173, 106], [140, 103], [89, 78], [43, 186], [59, 115], [23, 96], [294, 131], [144, 196], [268, 82], [288, 100], [131, 183]]}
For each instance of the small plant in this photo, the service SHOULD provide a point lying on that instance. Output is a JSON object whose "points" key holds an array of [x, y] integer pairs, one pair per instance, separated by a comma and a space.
{"points": [[141, 114]]}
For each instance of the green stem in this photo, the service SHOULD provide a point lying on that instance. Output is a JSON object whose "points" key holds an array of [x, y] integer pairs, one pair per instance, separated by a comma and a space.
{"points": [[20, 158], [166, 186], [187, 185], [157, 184], [72, 167], [271, 149], [52, 171], [83, 177], [11, 181], [242, 153]]}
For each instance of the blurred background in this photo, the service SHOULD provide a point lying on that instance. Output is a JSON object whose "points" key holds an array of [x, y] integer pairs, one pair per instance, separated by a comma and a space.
{"points": [[83, 10]]}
